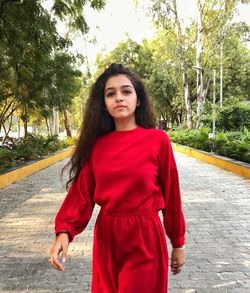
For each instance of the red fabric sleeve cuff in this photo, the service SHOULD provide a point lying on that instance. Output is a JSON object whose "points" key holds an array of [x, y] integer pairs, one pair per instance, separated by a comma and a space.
{"points": [[66, 228], [178, 242]]}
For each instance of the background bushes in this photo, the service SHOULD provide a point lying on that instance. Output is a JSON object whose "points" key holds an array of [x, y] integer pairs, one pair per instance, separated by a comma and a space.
{"points": [[235, 145], [234, 117], [34, 146]]}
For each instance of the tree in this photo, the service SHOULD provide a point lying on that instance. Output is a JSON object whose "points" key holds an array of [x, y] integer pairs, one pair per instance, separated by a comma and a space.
{"points": [[65, 84], [152, 66], [72, 11], [212, 25], [25, 52], [30, 53], [209, 30], [166, 16], [236, 62]]}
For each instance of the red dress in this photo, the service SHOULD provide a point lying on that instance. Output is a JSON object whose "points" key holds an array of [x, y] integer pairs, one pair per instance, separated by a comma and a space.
{"points": [[131, 175]]}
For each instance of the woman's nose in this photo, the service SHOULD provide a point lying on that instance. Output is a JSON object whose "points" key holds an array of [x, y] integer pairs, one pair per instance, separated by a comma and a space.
{"points": [[119, 97]]}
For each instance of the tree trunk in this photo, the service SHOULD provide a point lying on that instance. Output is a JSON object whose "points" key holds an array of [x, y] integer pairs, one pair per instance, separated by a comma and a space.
{"points": [[25, 121], [179, 34], [200, 98], [221, 75], [187, 101], [18, 127], [199, 49], [7, 131], [5, 135], [7, 111], [66, 123], [47, 126], [51, 125], [25, 125], [205, 90], [55, 122]]}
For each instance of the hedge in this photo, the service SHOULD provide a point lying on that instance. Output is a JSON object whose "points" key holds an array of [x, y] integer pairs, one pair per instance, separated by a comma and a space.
{"points": [[235, 145], [32, 147]]}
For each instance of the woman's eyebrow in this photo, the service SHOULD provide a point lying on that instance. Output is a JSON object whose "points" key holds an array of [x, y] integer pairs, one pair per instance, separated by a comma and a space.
{"points": [[124, 86]]}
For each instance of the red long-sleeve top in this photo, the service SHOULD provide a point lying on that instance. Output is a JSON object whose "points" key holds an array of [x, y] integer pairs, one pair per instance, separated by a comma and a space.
{"points": [[128, 172]]}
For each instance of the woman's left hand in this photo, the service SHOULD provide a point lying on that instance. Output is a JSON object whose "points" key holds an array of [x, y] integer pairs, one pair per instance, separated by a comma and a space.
{"points": [[177, 260]]}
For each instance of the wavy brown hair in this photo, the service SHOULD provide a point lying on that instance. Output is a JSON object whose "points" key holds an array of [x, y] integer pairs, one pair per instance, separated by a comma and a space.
{"points": [[98, 122]]}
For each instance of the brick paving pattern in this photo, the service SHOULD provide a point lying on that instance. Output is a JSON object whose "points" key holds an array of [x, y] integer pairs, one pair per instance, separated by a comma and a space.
{"points": [[216, 206]]}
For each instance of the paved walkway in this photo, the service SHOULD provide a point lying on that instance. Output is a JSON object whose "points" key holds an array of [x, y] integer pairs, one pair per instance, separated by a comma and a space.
{"points": [[217, 210]]}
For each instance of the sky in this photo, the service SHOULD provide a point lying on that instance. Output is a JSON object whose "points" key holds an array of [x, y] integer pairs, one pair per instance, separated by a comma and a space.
{"points": [[122, 18]]}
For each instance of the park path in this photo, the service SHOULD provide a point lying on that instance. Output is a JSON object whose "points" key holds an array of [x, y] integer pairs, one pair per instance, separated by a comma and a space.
{"points": [[217, 209]]}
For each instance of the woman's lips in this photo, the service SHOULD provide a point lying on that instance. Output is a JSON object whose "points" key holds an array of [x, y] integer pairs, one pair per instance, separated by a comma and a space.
{"points": [[119, 107]]}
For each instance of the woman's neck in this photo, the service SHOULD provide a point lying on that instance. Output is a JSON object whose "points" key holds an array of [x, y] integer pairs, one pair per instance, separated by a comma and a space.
{"points": [[125, 125]]}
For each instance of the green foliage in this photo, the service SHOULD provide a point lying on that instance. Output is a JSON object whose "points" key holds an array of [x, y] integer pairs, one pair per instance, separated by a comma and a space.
{"points": [[155, 67], [6, 158], [34, 146], [28, 40], [235, 145], [178, 46], [37, 71], [236, 61], [126, 52], [234, 117], [68, 142], [197, 139], [66, 81], [73, 11]]}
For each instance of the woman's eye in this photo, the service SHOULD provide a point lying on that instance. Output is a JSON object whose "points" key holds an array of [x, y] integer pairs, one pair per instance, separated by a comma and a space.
{"points": [[127, 92], [110, 94]]}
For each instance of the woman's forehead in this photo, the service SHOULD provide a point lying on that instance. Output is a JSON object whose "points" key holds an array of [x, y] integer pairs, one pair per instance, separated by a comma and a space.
{"points": [[118, 81]]}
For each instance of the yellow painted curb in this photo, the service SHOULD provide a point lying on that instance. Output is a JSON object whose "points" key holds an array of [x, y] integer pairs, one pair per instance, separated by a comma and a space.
{"points": [[20, 173], [231, 166]]}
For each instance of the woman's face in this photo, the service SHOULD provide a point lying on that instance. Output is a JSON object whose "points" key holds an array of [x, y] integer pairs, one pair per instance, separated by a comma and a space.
{"points": [[120, 97]]}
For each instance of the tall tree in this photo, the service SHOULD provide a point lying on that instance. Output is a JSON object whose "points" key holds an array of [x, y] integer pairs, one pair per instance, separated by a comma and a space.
{"points": [[213, 18], [165, 14], [29, 50], [26, 51], [199, 50]]}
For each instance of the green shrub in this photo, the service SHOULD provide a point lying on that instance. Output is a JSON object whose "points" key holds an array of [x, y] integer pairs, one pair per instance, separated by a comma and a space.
{"points": [[69, 141], [32, 147], [234, 117], [6, 158], [197, 139], [235, 145]]}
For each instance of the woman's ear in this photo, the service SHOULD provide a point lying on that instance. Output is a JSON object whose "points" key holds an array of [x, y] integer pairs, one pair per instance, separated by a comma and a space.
{"points": [[138, 103]]}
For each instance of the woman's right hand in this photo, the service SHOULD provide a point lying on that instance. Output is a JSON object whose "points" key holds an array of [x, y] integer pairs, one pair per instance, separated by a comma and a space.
{"points": [[59, 251]]}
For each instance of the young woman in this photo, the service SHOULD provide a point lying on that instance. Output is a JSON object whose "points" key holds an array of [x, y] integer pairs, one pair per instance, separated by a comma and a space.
{"points": [[126, 166]]}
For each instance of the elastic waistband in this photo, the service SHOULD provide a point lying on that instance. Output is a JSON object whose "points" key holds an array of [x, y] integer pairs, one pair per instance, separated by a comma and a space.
{"points": [[129, 214]]}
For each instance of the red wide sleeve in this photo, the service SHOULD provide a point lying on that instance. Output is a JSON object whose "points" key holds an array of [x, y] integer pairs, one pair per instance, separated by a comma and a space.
{"points": [[76, 209], [173, 218]]}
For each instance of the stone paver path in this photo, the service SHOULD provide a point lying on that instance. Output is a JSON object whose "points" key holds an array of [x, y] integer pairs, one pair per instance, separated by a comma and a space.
{"points": [[217, 209]]}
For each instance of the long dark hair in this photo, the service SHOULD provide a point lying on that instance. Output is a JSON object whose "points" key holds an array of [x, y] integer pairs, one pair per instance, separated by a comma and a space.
{"points": [[98, 122]]}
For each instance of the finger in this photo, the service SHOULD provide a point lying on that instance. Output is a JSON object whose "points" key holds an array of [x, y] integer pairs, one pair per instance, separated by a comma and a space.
{"points": [[173, 263], [177, 269], [176, 266], [173, 266], [54, 259], [64, 251]]}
